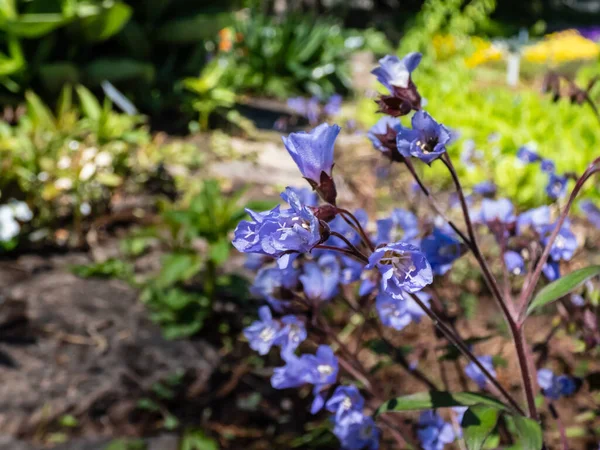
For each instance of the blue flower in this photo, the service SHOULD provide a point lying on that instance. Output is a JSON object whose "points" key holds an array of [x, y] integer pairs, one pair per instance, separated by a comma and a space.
{"points": [[515, 263], [351, 270], [344, 400], [535, 218], [557, 186], [262, 333], [321, 280], [279, 232], [306, 196], [426, 140], [340, 226], [271, 283], [323, 366], [526, 155], [547, 165], [554, 387], [495, 211], [394, 72], [441, 250], [313, 154], [485, 188], [308, 108], [551, 270], [475, 373], [434, 433], [291, 335], [357, 431], [333, 105], [403, 268], [592, 212], [320, 369], [383, 137], [295, 373], [401, 225], [564, 245], [468, 153], [398, 313]]}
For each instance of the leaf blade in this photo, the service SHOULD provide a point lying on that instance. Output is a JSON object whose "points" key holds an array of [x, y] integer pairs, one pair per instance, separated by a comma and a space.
{"points": [[478, 423], [530, 433]]}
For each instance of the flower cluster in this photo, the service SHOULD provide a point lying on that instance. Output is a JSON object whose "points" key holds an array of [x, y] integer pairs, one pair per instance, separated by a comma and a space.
{"points": [[557, 184]]}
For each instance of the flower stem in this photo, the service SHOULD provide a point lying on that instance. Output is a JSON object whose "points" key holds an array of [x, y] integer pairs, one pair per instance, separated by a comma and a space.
{"points": [[356, 226], [348, 243]]}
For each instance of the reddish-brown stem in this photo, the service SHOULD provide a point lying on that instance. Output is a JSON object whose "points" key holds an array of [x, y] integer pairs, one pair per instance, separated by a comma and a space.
{"points": [[356, 226]]}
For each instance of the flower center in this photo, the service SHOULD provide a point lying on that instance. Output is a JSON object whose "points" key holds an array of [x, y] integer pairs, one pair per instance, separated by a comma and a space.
{"points": [[346, 403], [428, 145], [267, 334], [560, 241], [401, 262], [324, 370]]}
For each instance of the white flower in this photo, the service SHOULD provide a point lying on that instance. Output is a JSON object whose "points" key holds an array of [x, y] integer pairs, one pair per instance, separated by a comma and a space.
{"points": [[89, 153], [64, 163], [9, 227], [21, 211], [85, 209], [73, 145], [87, 171], [43, 176], [103, 159], [63, 184]]}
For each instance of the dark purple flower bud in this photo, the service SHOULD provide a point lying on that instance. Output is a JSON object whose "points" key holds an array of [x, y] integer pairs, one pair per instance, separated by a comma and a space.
{"points": [[395, 74], [527, 155], [592, 212], [515, 263], [313, 154], [426, 140], [441, 250], [433, 432], [403, 268], [475, 373], [398, 313], [383, 137], [557, 186], [262, 333], [554, 387]]}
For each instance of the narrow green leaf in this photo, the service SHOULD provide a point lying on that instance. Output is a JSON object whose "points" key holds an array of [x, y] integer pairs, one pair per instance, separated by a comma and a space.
{"points": [[530, 433], [477, 424], [439, 399], [89, 103], [562, 287]]}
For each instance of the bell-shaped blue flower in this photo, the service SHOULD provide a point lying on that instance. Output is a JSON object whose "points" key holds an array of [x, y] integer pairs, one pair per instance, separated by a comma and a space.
{"points": [[535, 218], [441, 250], [344, 400], [564, 245], [527, 155], [555, 387], [515, 263], [291, 334], [313, 154], [262, 333], [321, 279], [394, 72], [426, 140], [557, 186], [274, 285], [433, 432], [357, 432], [398, 313], [403, 267]]}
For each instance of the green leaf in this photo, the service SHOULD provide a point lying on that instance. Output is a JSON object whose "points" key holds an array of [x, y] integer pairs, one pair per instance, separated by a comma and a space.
{"points": [[178, 267], [477, 423], [118, 70], [34, 25], [219, 251], [89, 103], [197, 440], [438, 399], [562, 287], [530, 433], [40, 114], [108, 22]]}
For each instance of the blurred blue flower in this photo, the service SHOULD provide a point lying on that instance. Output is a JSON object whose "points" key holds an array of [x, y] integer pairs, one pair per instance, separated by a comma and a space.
{"points": [[398, 313], [271, 282], [357, 431], [294, 373], [515, 263], [564, 245], [592, 212], [261, 334], [313, 151], [434, 433], [551, 270], [333, 106], [342, 227], [485, 188], [547, 165], [554, 387], [426, 140], [441, 250], [403, 268], [475, 373], [306, 196], [320, 369], [495, 211], [351, 270], [401, 225], [291, 334], [535, 218], [527, 155], [321, 279], [557, 186], [395, 72], [344, 400]]}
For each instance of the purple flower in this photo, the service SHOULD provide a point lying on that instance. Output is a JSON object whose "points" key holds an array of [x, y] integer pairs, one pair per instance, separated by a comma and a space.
{"points": [[403, 268], [554, 387], [475, 373], [401, 225], [591, 211], [547, 165], [394, 72], [306, 196], [398, 313], [262, 333], [514, 262], [495, 211], [441, 250], [308, 108], [278, 233], [351, 270], [551, 270], [383, 137], [426, 140], [535, 218], [577, 300], [320, 369], [321, 280], [564, 245], [485, 188], [357, 431], [557, 186], [526, 155], [468, 153], [291, 335], [333, 105], [344, 400], [434, 433], [313, 152], [274, 284]]}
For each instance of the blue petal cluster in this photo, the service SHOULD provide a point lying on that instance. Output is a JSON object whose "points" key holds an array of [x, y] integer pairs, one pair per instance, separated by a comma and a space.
{"points": [[426, 140], [555, 387], [434, 433]]}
